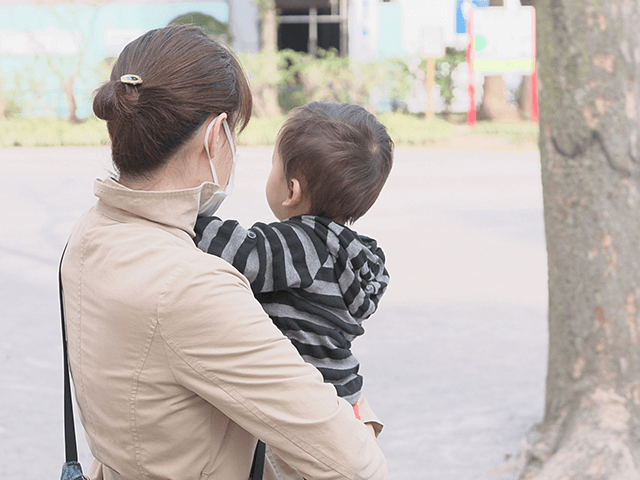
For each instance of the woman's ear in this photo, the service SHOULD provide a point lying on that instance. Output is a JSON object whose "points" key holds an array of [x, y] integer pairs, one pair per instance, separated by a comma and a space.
{"points": [[212, 139]]}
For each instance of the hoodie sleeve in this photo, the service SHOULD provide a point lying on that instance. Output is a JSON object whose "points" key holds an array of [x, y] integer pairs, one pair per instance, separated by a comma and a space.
{"points": [[273, 257]]}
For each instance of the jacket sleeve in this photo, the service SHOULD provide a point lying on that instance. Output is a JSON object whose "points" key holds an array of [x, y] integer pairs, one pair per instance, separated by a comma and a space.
{"points": [[226, 350], [271, 256]]}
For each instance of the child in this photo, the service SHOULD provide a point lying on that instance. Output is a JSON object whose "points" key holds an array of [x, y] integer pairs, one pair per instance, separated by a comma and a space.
{"points": [[316, 278]]}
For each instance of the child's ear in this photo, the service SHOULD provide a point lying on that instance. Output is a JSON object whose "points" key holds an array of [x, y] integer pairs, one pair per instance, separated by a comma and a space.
{"points": [[295, 194]]}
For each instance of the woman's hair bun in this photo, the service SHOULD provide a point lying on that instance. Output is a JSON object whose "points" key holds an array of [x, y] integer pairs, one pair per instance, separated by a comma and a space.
{"points": [[114, 100], [163, 86]]}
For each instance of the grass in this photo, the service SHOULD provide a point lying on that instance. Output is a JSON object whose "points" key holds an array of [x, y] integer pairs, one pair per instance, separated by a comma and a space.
{"points": [[405, 130], [51, 132], [416, 131], [261, 131]]}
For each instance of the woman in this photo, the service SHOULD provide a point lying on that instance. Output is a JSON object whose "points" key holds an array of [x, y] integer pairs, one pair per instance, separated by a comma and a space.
{"points": [[176, 367]]}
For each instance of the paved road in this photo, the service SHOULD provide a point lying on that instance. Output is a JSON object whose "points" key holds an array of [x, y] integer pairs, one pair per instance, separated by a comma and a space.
{"points": [[454, 361]]}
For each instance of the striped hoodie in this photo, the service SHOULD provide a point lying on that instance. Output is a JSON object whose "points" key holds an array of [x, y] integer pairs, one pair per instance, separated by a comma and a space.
{"points": [[316, 279]]}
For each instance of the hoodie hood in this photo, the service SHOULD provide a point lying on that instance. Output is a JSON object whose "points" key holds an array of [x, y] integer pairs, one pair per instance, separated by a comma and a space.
{"points": [[359, 265]]}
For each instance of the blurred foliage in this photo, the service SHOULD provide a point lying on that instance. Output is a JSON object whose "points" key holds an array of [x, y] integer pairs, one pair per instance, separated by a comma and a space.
{"points": [[210, 25], [11, 108], [261, 131], [299, 78], [444, 75], [328, 77], [266, 70]]}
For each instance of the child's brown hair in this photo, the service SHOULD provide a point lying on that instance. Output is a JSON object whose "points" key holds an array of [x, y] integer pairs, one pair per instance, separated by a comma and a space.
{"points": [[341, 154]]}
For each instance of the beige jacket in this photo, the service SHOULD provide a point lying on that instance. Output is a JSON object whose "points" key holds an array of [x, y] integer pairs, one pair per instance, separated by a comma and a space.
{"points": [[176, 367]]}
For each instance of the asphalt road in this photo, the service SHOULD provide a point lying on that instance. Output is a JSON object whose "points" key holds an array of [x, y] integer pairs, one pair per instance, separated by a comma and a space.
{"points": [[454, 361]]}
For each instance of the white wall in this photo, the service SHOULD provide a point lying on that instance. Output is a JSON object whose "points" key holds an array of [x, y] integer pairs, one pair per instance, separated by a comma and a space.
{"points": [[427, 26], [244, 23], [363, 29]]}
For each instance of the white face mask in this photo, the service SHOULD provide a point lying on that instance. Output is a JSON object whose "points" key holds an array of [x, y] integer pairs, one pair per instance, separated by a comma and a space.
{"points": [[210, 206]]}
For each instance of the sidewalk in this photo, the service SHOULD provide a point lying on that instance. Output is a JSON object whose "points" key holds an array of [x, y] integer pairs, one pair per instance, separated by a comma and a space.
{"points": [[454, 361]]}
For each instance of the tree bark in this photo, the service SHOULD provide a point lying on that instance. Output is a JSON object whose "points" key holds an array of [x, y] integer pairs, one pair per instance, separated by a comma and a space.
{"points": [[524, 102], [268, 100], [3, 107], [589, 61], [269, 30], [494, 99], [67, 87]]}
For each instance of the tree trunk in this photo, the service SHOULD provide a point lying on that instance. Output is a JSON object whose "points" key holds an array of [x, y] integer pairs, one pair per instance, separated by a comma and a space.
{"points": [[3, 107], [524, 102], [269, 40], [67, 87], [494, 99], [589, 124]]}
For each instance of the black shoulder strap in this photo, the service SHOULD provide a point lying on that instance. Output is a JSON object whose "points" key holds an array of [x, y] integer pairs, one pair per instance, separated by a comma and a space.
{"points": [[71, 449], [258, 462]]}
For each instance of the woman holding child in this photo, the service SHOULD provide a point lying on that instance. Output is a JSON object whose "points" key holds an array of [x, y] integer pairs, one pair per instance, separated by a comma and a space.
{"points": [[177, 369]]}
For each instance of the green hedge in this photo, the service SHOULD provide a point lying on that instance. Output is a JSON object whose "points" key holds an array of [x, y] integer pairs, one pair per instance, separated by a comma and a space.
{"points": [[405, 130]]}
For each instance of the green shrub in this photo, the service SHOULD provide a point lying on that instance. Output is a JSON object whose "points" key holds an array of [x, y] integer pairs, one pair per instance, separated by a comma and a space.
{"points": [[290, 98], [328, 78], [444, 74]]}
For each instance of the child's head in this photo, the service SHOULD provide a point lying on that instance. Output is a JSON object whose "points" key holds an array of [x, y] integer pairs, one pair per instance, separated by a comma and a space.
{"points": [[336, 156]]}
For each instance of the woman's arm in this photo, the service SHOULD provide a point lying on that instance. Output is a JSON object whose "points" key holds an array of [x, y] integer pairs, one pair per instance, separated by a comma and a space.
{"points": [[223, 347]]}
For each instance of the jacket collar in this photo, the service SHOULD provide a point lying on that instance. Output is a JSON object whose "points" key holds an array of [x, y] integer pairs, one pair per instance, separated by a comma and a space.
{"points": [[175, 209]]}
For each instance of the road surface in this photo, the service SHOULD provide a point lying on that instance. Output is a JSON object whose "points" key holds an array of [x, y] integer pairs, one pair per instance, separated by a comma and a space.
{"points": [[454, 361]]}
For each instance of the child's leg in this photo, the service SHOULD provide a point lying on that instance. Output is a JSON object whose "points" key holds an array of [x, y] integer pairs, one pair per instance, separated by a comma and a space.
{"points": [[356, 410]]}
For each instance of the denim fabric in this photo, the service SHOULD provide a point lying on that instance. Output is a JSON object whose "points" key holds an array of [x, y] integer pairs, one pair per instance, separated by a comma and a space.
{"points": [[72, 471]]}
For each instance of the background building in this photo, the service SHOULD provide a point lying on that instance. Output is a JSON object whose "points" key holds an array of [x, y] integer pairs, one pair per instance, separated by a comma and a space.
{"points": [[54, 53]]}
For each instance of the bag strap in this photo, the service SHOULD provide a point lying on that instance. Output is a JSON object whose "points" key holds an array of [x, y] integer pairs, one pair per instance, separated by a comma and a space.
{"points": [[71, 448], [257, 466]]}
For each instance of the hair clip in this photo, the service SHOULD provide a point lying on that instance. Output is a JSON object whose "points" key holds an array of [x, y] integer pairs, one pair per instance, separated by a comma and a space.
{"points": [[131, 79]]}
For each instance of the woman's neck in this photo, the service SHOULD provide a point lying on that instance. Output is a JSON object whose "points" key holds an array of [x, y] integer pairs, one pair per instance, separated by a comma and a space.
{"points": [[177, 174]]}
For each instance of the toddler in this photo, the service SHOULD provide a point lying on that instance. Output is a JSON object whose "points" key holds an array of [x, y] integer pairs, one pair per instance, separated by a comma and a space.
{"points": [[315, 277]]}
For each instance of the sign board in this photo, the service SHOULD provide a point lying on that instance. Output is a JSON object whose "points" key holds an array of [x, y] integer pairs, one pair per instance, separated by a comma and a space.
{"points": [[462, 9], [503, 40], [431, 41]]}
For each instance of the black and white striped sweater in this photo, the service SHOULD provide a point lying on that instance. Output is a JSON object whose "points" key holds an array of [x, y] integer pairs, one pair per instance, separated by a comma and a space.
{"points": [[316, 279]]}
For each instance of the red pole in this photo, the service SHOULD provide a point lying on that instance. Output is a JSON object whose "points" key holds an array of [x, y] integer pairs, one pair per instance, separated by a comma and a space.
{"points": [[534, 75], [471, 113]]}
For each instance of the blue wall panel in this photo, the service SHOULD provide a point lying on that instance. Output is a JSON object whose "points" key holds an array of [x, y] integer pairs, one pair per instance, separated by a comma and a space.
{"points": [[34, 80]]}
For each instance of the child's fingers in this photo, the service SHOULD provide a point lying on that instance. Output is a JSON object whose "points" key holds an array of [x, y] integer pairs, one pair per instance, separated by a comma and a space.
{"points": [[372, 430]]}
